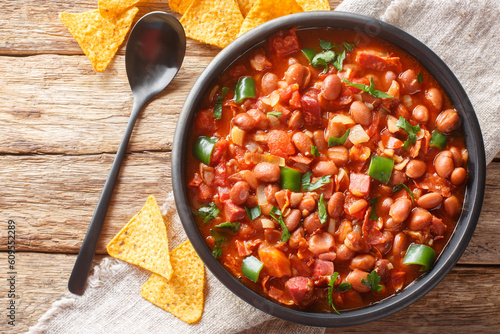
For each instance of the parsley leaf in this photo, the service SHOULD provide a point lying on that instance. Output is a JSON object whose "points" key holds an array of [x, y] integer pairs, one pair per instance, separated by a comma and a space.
{"points": [[276, 214], [372, 281], [314, 151], [332, 141], [331, 284], [325, 45], [308, 186], [233, 227], [410, 130], [208, 212], [339, 61], [322, 210], [322, 59], [275, 114], [419, 77], [408, 190], [218, 240], [343, 287], [373, 203], [253, 212], [368, 89], [218, 103]]}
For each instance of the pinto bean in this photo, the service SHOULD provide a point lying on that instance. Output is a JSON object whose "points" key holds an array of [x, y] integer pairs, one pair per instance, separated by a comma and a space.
{"points": [[386, 246], [391, 225], [360, 113], [339, 155], [415, 168], [452, 206], [269, 83], [344, 253], [458, 176], [383, 267], [389, 76], [357, 206], [400, 244], [384, 205], [295, 74], [312, 223], [261, 120], [244, 121], [271, 190], [364, 262], [444, 164], [336, 205], [334, 129], [239, 192], [321, 243], [296, 120], [354, 241], [303, 142], [408, 79], [430, 200], [434, 96], [319, 140], [267, 172], [324, 168], [292, 220], [400, 210], [447, 121], [397, 177], [331, 87], [355, 278], [457, 156], [420, 113], [295, 199], [296, 238], [419, 219], [308, 204]]}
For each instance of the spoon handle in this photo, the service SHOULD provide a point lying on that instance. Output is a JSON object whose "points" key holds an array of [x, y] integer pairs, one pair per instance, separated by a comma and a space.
{"points": [[81, 269]]}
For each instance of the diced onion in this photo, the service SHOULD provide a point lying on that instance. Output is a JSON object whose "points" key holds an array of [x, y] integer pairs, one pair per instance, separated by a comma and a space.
{"points": [[261, 195], [267, 223], [260, 136], [407, 101], [272, 99], [402, 164], [358, 135], [255, 158], [237, 135], [391, 124], [346, 120], [394, 89], [308, 133], [275, 122], [252, 146], [331, 226]]}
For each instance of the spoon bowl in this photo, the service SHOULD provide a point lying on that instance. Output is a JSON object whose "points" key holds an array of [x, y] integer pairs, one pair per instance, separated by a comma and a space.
{"points": [[154, 54]]}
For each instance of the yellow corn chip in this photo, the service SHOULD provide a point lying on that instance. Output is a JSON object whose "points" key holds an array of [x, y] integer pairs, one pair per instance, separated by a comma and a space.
{"points": [[179, 6], [308, 5], [113, 8], [143, 241], [182, 295], [213, 22], [245, 6], [264, 10], [98, 37]]}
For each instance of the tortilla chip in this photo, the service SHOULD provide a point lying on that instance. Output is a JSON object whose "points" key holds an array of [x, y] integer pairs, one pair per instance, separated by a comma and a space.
{"points": [[143, 241], [216, 23], [180, 6], [245, 6], [98, 37], [309, 5], [182, 295], [265, 10], [113, 8]]}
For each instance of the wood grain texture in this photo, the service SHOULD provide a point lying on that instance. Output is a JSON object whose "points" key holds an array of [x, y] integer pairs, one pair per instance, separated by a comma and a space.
{"points": [[52, 199], [451, 307]]}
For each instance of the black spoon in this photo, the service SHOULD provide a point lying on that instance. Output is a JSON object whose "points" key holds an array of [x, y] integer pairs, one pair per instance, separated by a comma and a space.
{"points": [[154, 54]]}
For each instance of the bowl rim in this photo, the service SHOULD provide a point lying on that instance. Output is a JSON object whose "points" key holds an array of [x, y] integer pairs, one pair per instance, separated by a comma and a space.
{"points": [[476, 165]]}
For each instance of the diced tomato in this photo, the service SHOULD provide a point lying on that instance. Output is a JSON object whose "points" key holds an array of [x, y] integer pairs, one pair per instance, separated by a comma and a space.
{"points": [[196, 181], [286, 93], [280, 144], [219, 151], [223, 193], [391, 142], [371, 232], [359, 184], [205, 121], [285, 43], [233, 212], [376, 61], [311, 109], [275, 262], [373, 128], [205, 192], [295, 100], [349, 200], [221, 174]]}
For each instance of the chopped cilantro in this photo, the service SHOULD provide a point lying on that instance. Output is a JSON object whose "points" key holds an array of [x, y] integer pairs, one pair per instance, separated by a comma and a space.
{"points": [[405, 187], [372, 281], [233, 227], [368, 89], [419, 77], [314, 151], [339, 62], [410, 130], [350, 46], [253, 212], [275, 114], [325, 45], [343, 287], [208, 212], [322, 59], [276, 214], [332, 141], [322, 210], [308, 186], [373, 203], [218, 240], [331, 284]]}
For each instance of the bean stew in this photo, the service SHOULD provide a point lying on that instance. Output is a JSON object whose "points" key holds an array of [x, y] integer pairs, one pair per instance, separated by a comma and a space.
{"points": [[328, 169]]}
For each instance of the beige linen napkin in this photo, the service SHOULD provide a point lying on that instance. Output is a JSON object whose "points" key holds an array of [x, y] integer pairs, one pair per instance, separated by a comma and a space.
{"points": [[463, 33]]}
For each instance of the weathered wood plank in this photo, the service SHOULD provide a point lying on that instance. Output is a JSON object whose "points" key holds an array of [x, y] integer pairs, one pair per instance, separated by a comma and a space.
{"points": [[58, 104], [52, 199], [468, 295]]}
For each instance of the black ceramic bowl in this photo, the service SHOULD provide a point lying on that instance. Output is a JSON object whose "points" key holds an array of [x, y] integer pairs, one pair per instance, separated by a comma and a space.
{"points": [[476, 166]]}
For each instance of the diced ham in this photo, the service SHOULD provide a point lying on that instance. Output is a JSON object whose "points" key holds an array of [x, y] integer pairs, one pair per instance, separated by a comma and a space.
{"points": [[322, 269], [300, 289], [376, 61], [360, 184], [311, 110], [233, 212]]}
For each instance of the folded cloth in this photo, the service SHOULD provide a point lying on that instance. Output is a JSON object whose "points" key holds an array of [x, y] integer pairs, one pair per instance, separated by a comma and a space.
{"points": [[463, 33]]}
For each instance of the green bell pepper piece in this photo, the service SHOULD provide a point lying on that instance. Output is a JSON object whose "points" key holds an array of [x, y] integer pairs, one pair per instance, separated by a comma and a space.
{"points": [[251, 268], [203, 148], [291, 179], [420, 254], [245, 88], [380, 168], [438, 140]]}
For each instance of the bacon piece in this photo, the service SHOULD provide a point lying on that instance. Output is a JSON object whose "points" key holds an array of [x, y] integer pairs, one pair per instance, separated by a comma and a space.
{"points": [[311, 110], [438, 228], [285, 43], [279, 143], [434, 183], [205, 121], [233, 212], [300, 289], [376, 61], [371, 231], [246, 247]]}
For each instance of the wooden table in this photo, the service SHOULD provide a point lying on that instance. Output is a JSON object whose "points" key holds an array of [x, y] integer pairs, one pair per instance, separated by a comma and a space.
{"points": [[60, 126]]}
